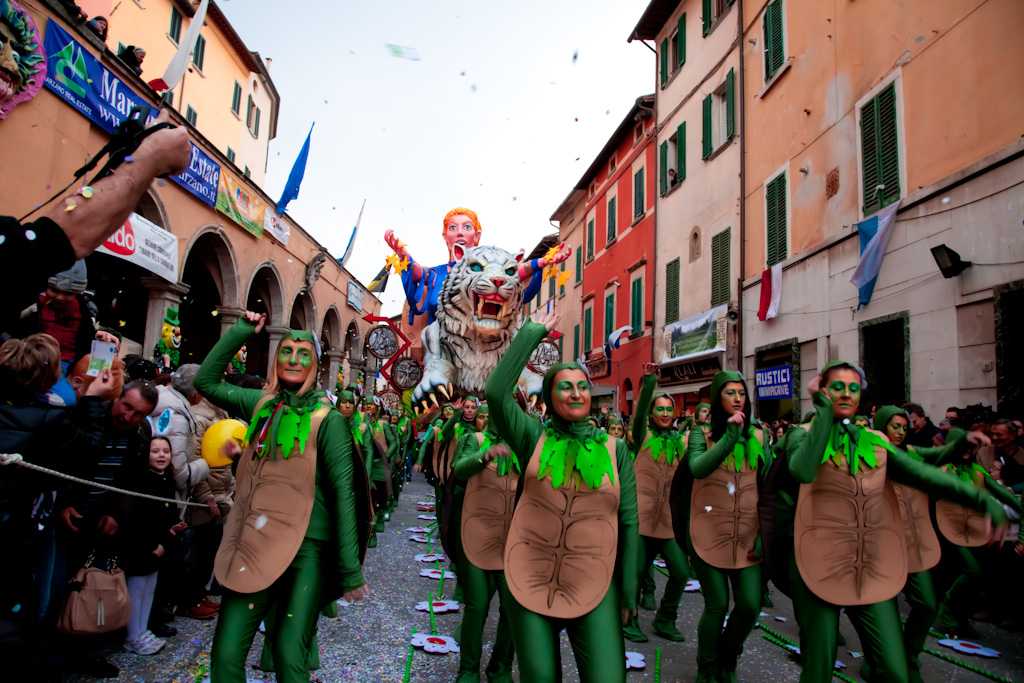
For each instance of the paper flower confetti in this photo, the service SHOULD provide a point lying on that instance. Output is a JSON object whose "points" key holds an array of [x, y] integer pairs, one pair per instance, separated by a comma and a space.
{"points": [[427, 518], [440, 606], [692, 586], [431, 558], [969, 648], [435, 574], [419, 539], [635, 661], [418, 530], [435, 644], [658, 562], [424, 506]]}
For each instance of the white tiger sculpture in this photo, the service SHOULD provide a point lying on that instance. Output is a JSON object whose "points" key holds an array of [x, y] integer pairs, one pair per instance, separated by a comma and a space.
{"points": [[477, 316]]}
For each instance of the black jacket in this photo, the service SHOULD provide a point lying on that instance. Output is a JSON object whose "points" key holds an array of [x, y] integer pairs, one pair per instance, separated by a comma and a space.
{"points": [[145, 524]]}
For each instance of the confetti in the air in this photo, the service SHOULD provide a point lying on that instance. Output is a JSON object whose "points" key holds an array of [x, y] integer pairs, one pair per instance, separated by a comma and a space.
{"points": [[402, 52]]}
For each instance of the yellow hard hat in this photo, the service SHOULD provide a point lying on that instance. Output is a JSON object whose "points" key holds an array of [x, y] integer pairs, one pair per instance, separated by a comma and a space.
{"points": [[216, 437]]}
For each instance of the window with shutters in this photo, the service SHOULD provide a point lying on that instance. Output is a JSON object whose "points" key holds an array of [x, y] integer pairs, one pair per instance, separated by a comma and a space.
{"points": [[638, 194], [199, 52], [774, 41], [236, 99], [175, 29], [663, 62], [561, 287], [712, 12], [636, 305], [578, 274], [551, 288], [672, 160], [776, 223], [588, 328], [231, 155], [879, 147], [720, 244], [247, 173], [609, 313], [575, 342], [612, 220], [672, 291], [168, 98], [590, 240], [719, 116], [191, 116]]}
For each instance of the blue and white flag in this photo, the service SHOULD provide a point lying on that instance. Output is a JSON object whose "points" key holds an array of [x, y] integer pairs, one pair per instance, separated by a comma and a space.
{"points": [[614, 340], [291, 188], [874, 233], [352, 238]]}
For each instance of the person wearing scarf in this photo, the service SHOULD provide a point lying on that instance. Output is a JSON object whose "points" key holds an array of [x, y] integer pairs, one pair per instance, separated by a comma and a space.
{"points": [[489, 471], [849, 547], [571, 554], [295, 537], [659, 452]]}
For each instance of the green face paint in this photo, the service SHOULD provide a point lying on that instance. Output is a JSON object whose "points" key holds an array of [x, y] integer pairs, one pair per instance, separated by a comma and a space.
{"points": [[839, 388], [663, 410], [292, 355]]}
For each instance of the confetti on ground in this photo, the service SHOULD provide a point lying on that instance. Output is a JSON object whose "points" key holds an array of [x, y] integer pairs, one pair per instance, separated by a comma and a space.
{"points": [[435, 644], [692, 586], [427, 518], [420, 539], [418, 530], [431, 558], [969, 648], [440, 606], [435, 574], [635, 661], [658, 562], [781, 619]]}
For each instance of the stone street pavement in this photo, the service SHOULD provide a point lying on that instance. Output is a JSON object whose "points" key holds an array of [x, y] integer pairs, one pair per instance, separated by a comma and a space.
{"points": [[369, 642]]}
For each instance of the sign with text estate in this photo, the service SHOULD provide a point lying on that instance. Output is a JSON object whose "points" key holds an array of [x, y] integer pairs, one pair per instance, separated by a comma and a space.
{"points": [[774, 383], [201, 177]]}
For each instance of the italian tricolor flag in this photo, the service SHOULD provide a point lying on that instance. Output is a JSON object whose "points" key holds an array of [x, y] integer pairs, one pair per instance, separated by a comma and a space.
{"points": [[771, 292]]}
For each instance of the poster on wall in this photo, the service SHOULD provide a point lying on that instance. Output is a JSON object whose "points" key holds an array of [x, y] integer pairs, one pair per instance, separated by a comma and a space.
{"points": [[694, 336], [201, 177], [240, 203], [774, 383], [355, 296], [145, 244], [278, 228]]}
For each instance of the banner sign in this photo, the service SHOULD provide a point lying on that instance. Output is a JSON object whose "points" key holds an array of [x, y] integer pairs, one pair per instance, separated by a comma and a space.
{"points": [[355, 296], [77, 77], [276, 226], [240, 203], [774, 383], [145, 244], [201, 177], [695, 336]]}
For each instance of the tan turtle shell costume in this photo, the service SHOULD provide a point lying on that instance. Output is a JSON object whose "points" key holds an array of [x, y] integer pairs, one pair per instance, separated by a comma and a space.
{"points": [[921, 542], [561, 549], [961, 525], [653, 486], [723, 517], [487, 515], [273, 500]]}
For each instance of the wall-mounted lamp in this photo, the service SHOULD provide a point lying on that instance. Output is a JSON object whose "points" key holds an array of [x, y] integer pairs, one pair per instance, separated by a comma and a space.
{"points": [[949, 262]]}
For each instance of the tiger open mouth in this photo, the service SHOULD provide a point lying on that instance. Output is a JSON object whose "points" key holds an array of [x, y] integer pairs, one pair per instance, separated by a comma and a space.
{"points": [[489, 309]]}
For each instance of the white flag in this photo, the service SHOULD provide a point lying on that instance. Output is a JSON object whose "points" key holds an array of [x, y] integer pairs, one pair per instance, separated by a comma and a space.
{"points": [[179, 62]]}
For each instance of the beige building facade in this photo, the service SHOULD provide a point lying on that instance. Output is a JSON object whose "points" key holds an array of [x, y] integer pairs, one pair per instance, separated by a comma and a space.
{"points": [[570, 218]]}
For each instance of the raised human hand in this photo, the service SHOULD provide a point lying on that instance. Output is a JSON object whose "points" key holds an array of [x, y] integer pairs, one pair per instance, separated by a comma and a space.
{"points": [[496, 451], [357, 594], [259, 320], [548, 320], [737, 418]]}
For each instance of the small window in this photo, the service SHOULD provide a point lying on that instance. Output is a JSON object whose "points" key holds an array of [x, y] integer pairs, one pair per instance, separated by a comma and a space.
{"points": [[720, 246], [578, 274], [236, 99], [175, 29], [590, 240], [168, 98], [231, 155], [672, 291], [636, 306], [712, 11], [672, 160], [256, 124], [609, 313], [199, 52], [880, 153], [719, 116], [247, 173], [774, 41], [638, 194], [191, 115], [694, 245], [775, 220], [612, 220]]}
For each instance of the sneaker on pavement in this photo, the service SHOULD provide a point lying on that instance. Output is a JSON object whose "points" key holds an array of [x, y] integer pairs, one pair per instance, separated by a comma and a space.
{"points": [[142, 646]]}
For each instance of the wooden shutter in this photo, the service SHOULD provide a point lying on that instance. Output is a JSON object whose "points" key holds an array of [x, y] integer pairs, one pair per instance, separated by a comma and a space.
{"points": [[609, 314], [561, 288], [575, 342], [590, 240], [636, 306], [730, 104], [175, 29], [199, 52], [236, 98], [880, 151], [664, 62], [672, 291], [681, 41], [705, 16], [579, 266], [706, 141], [638, 194], [775, 220], [588, 329], [663, 168], [613, 224], [551, 288], [720, 268], [681, 152], [774, 45]]}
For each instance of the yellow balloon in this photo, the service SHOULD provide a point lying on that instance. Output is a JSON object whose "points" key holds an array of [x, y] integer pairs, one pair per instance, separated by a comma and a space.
{"points": [[216, 438]]}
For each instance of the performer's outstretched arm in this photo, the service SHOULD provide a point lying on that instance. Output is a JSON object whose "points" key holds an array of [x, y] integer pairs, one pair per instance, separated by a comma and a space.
{"points": [[519, 430], [643, 410], [210, 378]]}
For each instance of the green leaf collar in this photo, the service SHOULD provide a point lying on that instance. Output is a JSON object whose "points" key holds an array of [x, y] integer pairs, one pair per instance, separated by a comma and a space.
{"points": [[281, 425], [856, 443], [667, 446], [567, 458]]}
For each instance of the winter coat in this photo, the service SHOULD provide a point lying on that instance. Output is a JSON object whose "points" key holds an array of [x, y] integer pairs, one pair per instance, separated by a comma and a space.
{"points": [[219, 487], [173, 418], [145, 524]]}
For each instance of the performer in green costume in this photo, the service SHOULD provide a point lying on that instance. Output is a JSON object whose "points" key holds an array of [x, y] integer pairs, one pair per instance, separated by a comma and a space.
{"points": [[659, 452], [449, 517], [857, 562], [377, 443], [294, 538], [489, 472], [571, 553], [724, 525]]}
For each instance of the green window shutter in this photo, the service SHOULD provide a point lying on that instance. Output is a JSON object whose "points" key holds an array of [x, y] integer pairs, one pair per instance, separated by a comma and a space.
{"points": [[191, 116], [672, 291], [706, 138], [664, 62], [720, 268], [663, 168], [612, 220], [880, 151], [199, 52], [775, 220], [730, 104], [636, 306], [705, 16], [588, 329], [579, 266], [774, 45], [681, 41], [231, 155], [575, 342], [638, 194], [168, 98], [551, 288], [561, 288], [609, 314], [175, 29], [681, 152], [236, 98], [590, 240]]}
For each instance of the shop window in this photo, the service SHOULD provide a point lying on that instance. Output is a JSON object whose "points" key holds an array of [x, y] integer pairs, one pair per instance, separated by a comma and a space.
{"points": [[1009, 330]]}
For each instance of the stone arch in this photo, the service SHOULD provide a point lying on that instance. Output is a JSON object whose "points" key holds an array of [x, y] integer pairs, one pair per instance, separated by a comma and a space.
{"points": [[353, 343], [209, 269], [330, 328], [152, 209], [264, 293], [213, 249], [303, 312]]}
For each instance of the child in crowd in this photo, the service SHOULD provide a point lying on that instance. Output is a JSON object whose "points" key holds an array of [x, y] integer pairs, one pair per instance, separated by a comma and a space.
{"points": [[150, 527]]}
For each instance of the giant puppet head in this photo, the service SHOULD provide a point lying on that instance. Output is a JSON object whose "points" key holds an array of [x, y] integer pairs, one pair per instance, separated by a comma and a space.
{"points": [[296, 366], [461, 226], [22, 62], [170, 331]]}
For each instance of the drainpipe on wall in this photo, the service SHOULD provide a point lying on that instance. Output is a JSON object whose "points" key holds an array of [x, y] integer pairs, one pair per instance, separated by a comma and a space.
{"points": [[743, 185]]}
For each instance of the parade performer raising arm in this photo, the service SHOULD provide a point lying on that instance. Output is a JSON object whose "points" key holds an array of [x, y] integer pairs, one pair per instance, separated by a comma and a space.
{"points": [[574, 529], [295, 537]]}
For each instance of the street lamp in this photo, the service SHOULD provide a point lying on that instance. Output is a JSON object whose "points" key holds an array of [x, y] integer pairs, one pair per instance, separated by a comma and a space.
{"points": [[948, 261]]}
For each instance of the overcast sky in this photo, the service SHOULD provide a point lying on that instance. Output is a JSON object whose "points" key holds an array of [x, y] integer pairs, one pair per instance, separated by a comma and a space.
{"points": [[496, 115]]}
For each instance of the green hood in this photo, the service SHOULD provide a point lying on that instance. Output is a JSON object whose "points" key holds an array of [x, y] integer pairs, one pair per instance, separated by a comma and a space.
{"points": [[549, 382], [845, 364], [887, 413], [721, 379]]}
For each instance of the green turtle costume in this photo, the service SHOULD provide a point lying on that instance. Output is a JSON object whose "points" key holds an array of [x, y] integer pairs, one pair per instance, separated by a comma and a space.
{"points": [[571, 553], [294, 539], [659, 453], [377, 443], [487, 506], [849, 550]]}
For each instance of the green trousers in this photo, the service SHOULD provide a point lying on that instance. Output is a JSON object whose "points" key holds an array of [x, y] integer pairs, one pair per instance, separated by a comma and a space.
{"points": [[295, 597], [719, 649], [955, 580], [478, 587], [924, 605], [313, 658], [877, 625], [678, 574], [596, 640]]}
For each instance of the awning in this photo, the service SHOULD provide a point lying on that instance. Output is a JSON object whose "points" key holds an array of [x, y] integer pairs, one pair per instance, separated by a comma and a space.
{"points": [[601, 390], [691, 388]]}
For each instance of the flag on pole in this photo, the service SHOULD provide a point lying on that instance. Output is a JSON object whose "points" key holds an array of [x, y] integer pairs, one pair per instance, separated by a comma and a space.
{"points": [[874, 233], [291, 188], [771, 292], [352, 238], [179, 62], [614, 340], [380, 280]]}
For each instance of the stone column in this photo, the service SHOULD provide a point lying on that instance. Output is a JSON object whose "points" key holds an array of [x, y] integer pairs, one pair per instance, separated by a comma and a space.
{"points": [[276, 334], [228, 315], [334, 358], [162, 294]]}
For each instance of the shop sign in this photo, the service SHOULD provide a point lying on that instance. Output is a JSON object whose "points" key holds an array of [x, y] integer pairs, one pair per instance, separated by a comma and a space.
{"points": [[774, 383], [201, 177], [145, 244]]}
